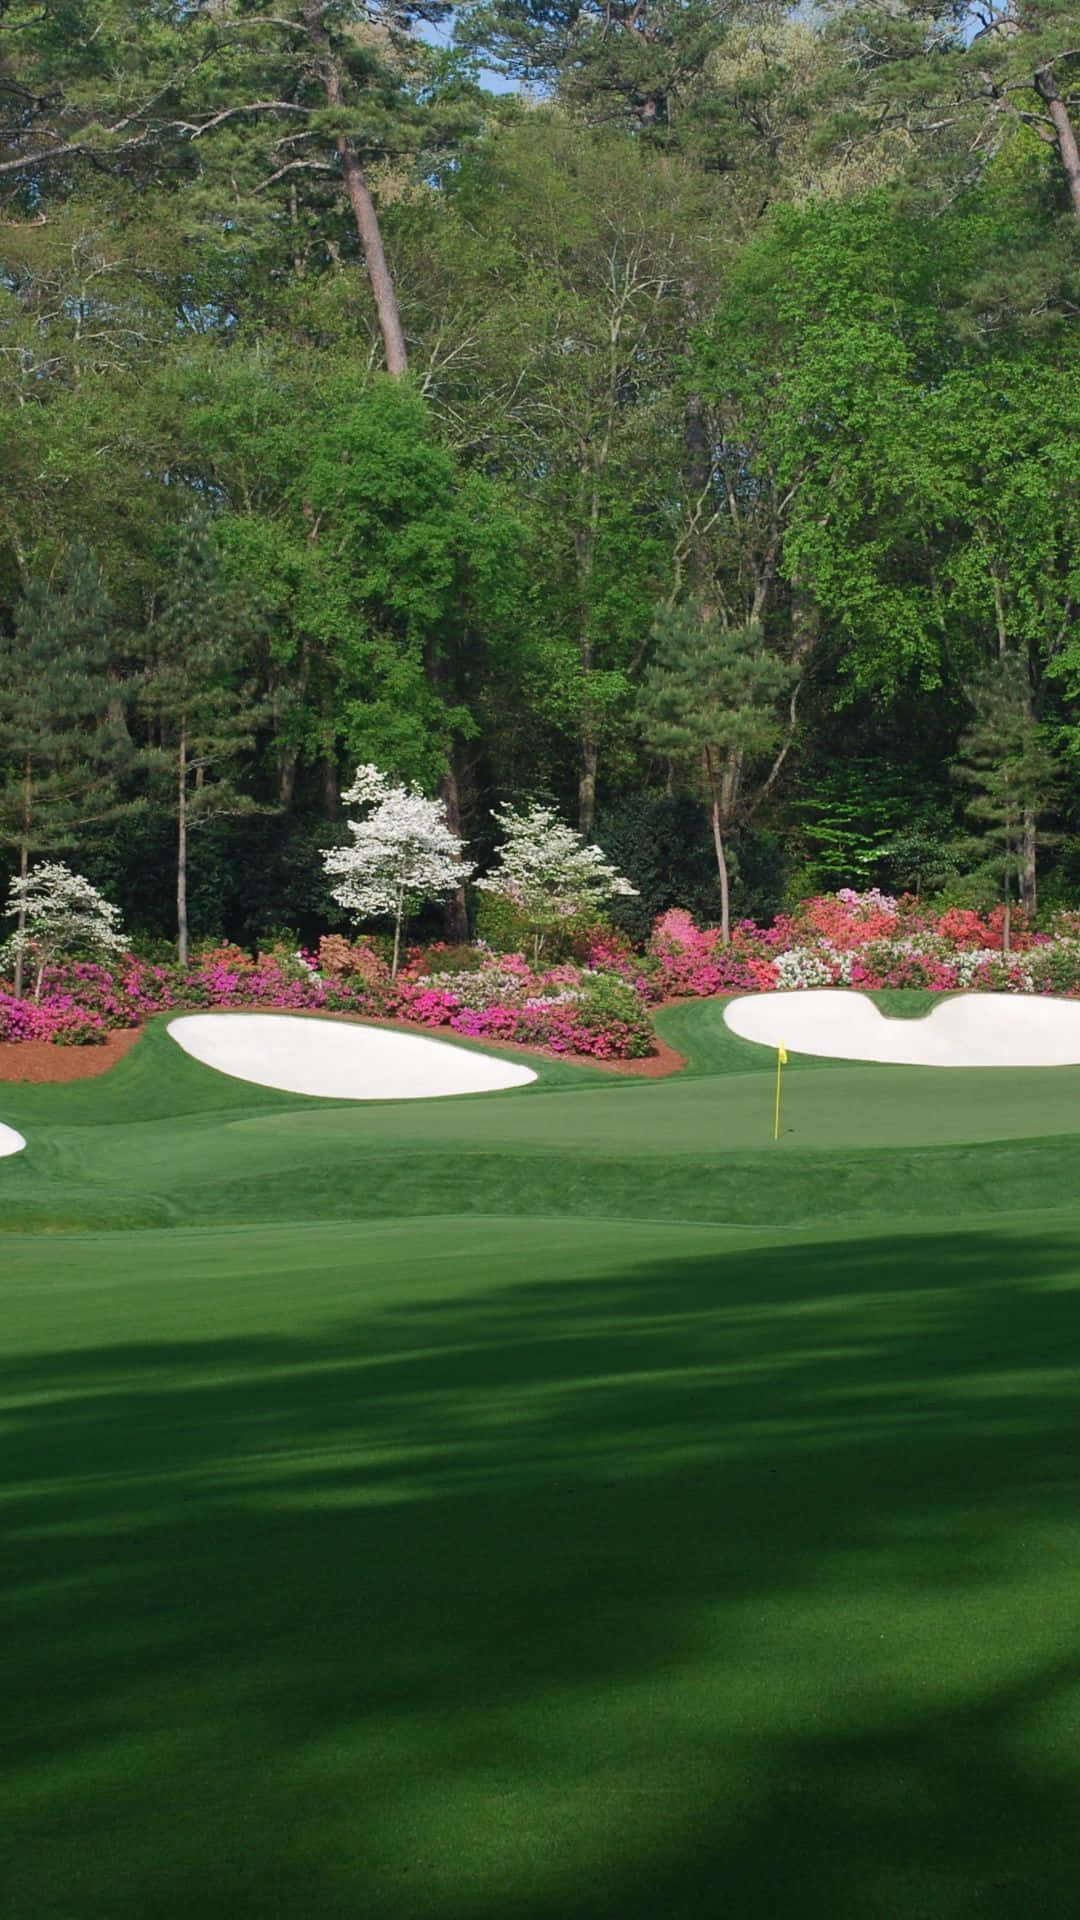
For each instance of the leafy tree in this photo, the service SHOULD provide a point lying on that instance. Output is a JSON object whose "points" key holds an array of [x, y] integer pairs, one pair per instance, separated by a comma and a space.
{"points": [[573, 263], [1010, 771], [919, 858], [710, 702], [933, 517], [403, 853], [548, 872]]}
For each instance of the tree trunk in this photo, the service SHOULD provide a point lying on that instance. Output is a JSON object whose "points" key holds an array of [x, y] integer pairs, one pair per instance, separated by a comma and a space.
{"points": [[722, 869], [330, 787], [287, 781], [1028, 883], [1047, 87], [584, 555], [181, 850], [1006, 925], [699, 460], [721, 851], [382, 286], [590, 758], [24, 868], [455, 912], [397, 932], [362, 204]]}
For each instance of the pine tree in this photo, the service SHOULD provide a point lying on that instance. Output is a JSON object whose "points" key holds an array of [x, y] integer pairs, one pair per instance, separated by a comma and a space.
{"points": [[63, 741], [710, 701], [1010, 771], [203, 707]]}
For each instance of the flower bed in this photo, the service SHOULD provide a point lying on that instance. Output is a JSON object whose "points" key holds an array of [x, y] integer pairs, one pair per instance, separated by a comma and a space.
{"points": [[865, 940], [576, 1010], [597, 1008]]}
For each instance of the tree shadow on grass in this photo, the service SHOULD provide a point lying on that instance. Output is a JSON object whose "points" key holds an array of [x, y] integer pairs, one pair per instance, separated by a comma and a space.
{"points": [[737, 1585]]}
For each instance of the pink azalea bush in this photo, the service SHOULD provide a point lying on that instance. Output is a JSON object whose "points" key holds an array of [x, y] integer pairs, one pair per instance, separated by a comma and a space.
{"points": [[596, 1007], [866, 940], [567, 1009]]}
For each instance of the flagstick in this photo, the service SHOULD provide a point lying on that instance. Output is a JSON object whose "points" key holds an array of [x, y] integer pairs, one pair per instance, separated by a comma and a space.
{"points": [[779, 1071]]}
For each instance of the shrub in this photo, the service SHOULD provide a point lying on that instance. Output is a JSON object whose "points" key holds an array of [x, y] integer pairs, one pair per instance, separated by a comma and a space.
{"points": [[439, 958], [499, 924], [600, 1009], [339, 958]]}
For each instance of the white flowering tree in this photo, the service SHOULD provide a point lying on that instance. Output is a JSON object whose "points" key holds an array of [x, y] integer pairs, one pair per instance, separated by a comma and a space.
{"points": [[549, 872], [58, 915], [403, 853]]}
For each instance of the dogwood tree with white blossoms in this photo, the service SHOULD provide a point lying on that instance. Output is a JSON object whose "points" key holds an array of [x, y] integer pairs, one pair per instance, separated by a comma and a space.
{"points": [[58, 915], [403, 853], [548, 871]]}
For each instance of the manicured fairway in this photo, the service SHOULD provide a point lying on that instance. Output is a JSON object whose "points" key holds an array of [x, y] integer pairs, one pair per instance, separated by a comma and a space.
{"points": [[555, 1505]]}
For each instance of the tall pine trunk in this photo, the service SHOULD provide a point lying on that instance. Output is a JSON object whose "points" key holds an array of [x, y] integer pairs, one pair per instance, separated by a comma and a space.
{"points": [[360, 201], [717, 823], [1069, 153], [382, 286], [181, 849]]}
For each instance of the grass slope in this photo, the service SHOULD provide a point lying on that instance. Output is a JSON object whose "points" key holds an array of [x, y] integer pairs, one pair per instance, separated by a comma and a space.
{"points": [[553, 1505]]}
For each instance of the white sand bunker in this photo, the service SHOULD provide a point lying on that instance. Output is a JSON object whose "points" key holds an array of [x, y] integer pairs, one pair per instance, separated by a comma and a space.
{"points": [[971, 1030], [338, 1060], [10, 1141]]}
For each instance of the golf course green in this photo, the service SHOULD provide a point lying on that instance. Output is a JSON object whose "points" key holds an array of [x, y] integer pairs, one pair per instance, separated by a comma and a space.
{"points": [[554, 1504]]}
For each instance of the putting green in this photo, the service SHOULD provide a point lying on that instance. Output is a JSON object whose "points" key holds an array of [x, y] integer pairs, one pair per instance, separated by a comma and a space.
{"points": [[550, 1505]]}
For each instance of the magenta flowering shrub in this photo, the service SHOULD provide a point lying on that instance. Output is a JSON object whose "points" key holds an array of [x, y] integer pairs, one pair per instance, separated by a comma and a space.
{"points": [[567, 1009], [598, 1008], [689, 961], [867, 940]]}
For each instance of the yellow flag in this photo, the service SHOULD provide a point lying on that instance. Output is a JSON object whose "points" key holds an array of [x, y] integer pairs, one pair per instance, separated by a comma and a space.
{"points": [[781, 1052]]}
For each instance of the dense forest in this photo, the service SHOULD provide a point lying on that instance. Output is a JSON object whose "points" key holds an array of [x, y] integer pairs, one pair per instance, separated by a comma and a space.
{"points": [[664, 410]]}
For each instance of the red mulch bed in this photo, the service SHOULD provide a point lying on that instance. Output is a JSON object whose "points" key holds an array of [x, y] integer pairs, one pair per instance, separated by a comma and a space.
{"points": [[41, 1062]]}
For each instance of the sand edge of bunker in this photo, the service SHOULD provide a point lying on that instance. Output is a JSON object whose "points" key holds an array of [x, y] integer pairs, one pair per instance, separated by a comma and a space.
{"points": [[340, 1060], [964, 1030]]}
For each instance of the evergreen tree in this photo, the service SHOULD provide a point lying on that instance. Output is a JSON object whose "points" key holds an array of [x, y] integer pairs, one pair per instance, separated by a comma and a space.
{"points": [[63, 741], [1010, 772], [202, 704], [710, 702]]}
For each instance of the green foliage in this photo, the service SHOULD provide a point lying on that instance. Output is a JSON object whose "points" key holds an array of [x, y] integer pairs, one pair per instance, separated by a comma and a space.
{"points": [[711, 691], [849, 823], [1010, 773], [63, 742], [460, 959], [499, 923], [610, 1002], [662, 844]]}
